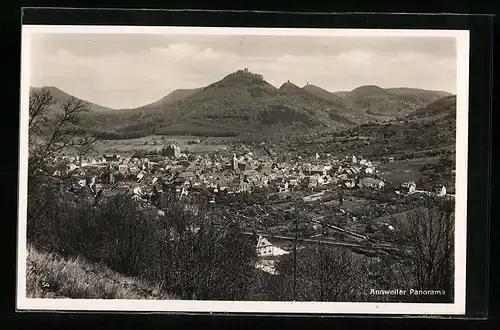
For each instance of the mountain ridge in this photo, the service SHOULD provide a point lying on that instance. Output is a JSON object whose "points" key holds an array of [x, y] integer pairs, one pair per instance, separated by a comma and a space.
{"points": [[243, 101], [61, 96]]}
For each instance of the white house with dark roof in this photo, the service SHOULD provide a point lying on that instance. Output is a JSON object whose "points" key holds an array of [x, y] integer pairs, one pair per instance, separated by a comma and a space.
{"points": [[267, 249], [439, 189]]}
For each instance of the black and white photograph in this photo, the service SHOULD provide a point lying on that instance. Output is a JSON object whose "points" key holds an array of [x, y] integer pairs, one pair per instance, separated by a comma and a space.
{"points": [[260, 170]]}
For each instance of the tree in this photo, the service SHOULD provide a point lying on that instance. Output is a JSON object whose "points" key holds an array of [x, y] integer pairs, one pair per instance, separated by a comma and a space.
{"points": [[340, 195], [427, 262], [206, 256], [323, 273], [52, 133]]}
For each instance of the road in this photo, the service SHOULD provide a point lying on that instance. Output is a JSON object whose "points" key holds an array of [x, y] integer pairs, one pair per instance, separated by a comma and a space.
{"points": [[431, 193]]}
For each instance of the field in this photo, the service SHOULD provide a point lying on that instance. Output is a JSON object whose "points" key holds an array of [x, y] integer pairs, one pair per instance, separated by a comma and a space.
{"points": [[406, 170], [156, 142], [397, 220]]}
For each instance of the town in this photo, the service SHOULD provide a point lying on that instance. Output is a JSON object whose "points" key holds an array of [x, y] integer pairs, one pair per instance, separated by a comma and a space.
{"points": [[219, 173], [314, 182]]}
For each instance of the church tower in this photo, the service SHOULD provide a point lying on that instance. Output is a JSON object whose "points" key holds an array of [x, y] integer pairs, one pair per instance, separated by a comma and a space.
{"points": [[234, 162]]}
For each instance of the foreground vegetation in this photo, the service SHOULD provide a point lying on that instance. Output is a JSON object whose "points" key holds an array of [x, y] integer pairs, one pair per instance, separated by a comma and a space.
{"points": [[51, 276]]}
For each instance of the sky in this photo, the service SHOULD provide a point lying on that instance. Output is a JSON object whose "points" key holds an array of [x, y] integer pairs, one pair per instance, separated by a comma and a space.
{"points": [[131, 70]]}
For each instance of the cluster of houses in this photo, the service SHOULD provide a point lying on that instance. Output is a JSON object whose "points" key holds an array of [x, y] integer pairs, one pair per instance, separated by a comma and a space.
{"points": [[410, 187], [358, 172], [171, 169]]}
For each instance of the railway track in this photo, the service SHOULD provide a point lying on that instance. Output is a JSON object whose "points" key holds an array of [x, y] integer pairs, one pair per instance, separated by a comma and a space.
{"points": [[366, 246]]}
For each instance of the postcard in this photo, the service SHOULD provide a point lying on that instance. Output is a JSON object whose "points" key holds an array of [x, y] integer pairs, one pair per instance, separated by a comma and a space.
{"points": [[243, 170]]}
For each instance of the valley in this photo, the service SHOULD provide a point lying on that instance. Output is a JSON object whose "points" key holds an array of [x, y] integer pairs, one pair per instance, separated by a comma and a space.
{"points": [[243, 174]]}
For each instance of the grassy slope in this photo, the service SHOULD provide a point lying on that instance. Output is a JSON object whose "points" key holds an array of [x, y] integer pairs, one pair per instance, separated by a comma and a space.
{"points": [[51, 276]]}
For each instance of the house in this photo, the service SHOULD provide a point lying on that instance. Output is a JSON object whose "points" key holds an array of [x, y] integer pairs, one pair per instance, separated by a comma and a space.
{"points": [[140, 176], [267, 249], [134, 170], [440, 190], [409, 186], [186, 176], [123, 169], [245, 186], [313, 197], [293, 182], [327, 179], [316, 170], [111, 158], [171, 151], [310, 182], [267, 266], [102, 186], [283, 187], [222, 185], [350, 184], [234, 187], [181, 191], [137, 190]]}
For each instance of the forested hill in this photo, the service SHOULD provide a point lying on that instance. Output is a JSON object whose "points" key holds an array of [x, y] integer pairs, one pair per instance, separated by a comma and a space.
{"points": [[245, 103]]}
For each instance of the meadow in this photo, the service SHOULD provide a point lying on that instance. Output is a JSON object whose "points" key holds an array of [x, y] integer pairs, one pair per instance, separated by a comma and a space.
{"points": [[153, 143]]}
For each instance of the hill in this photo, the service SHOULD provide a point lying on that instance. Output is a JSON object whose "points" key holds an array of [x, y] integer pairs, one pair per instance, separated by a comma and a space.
{"points": [[429, 129], [241, 102], [289, 88], [420, 97], [323, 94], [175, 96], [60, 96], [377, 101], [49, 275], [244, 100], [441, 107]]}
